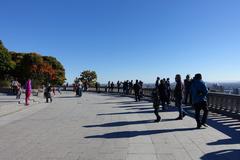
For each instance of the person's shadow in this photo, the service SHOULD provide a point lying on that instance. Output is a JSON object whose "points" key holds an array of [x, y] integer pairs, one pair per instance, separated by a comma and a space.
{"points": [[119, 124], [230, 154], [130, 134]]}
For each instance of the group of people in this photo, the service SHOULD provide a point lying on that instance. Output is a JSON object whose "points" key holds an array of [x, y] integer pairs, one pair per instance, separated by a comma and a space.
{"points": [[49, 90], [127, 87], [17, 90], [194, 91], [189, 92]]}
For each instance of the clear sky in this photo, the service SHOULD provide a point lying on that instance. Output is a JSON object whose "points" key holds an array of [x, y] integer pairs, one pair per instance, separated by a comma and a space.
{"points": [[129, 39]]}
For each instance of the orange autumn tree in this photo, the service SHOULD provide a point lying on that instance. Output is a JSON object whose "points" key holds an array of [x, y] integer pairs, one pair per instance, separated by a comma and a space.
{"points": [[41, 69], [41, 72]]}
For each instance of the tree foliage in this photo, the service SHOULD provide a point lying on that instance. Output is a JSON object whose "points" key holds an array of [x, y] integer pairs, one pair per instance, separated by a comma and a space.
{"points": [[41, 69], [89, 77], [6, 63]]}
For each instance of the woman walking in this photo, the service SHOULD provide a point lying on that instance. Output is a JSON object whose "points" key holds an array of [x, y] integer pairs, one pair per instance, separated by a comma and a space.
{"points": [[28, 91]]}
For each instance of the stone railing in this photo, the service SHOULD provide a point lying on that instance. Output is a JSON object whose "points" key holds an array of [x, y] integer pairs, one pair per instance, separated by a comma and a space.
{"points": [[227, 103], [35, 92], [223, 103]]}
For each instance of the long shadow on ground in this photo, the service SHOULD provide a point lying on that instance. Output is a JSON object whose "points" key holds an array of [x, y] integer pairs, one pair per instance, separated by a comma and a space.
{"points": [[120, 123], [66, 97], [130, 134], [222, 124], [142, 110], [231, 154]]}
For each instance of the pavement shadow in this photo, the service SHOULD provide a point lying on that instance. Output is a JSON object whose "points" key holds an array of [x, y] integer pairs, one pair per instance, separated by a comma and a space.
{"points": [[125, 102], [123, 113], [66, 97], [226, 141], [142, 110], [231, 154], [134, 106], [130, 134], [119, 124], [226, 125]]}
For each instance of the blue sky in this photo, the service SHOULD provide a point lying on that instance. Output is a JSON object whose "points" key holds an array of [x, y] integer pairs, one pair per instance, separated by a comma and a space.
{"points": [[129, 39]]}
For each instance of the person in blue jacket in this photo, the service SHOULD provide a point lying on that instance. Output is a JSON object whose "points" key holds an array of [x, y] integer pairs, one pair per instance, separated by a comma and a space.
{"points": [[199, 94]]}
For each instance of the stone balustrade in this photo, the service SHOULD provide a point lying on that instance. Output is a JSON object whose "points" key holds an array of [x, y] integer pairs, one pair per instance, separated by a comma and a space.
{"points": [[219, 102]]}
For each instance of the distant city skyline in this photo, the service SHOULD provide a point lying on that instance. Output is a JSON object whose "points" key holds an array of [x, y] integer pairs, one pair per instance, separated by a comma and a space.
{"points": [[129, 39]]}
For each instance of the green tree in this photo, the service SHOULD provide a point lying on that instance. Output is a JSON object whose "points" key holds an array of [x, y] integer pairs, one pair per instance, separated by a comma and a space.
{"points": [[89, 77], [17, 58], [41, 69], [6, 64]]}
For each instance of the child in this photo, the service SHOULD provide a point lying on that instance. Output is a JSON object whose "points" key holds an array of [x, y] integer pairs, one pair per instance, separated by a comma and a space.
{"points": [[156, 104]]}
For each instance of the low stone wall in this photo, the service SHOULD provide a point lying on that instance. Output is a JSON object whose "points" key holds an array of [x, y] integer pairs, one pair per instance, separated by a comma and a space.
{"points": [[227, 104]]}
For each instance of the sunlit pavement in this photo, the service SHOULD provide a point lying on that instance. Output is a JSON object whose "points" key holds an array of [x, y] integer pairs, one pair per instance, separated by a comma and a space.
{"points": [[110, 127]]}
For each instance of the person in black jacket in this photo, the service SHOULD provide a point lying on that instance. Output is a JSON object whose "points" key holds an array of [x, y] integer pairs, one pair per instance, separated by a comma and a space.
{"points": [[157, 82], [187, 90], [47, 93], [136, 88], [162, 93], [178, 95], [156, 104], [168, 86]]}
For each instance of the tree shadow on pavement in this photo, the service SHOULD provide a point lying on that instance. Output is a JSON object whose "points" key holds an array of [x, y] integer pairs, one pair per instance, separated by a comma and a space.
{"points": [[130, 134], [121, 123], [231, 154]]}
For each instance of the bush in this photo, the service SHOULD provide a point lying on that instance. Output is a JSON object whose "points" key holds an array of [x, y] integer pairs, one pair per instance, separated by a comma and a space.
{"points": [[5, 84]]}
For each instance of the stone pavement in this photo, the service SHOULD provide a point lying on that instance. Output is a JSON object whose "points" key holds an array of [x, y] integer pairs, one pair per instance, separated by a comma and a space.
{"points": [[110, 127], [9, 104]]}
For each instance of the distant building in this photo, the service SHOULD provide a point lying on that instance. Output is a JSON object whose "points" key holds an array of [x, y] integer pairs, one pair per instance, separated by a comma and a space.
{"points": [[235, 91], [217, 88]]}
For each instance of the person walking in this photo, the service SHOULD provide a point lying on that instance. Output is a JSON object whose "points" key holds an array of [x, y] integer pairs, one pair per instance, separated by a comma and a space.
{"points": [[157, 82], [53, 90], [19, 91], [48, 95], [127, 87], [28, 90], [130, 87], [59, 89], [156, 104], [162, 93], [178, 95], [118, 85], [136, 88], [199, 93], [168, 86], [141, 89], [187, 90], [112, 87], [109, 86]]}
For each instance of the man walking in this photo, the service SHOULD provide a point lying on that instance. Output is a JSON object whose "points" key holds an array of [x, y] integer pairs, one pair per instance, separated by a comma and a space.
{"points": [[178, 97], [199, 98]]}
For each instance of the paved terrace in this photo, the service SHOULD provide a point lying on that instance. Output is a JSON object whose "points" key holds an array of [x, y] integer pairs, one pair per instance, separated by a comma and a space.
{"points": [[111, 127]]}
